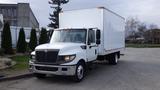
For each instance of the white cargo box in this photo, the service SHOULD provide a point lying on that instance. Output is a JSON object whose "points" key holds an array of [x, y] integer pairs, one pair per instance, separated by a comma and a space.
{"points": [[112, 26]]}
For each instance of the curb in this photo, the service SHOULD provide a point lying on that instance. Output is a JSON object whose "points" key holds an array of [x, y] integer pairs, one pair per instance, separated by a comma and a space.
{"points": [[16, 77]]}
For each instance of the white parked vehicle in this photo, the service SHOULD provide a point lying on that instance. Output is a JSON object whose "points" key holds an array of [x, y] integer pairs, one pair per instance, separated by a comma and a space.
{"points": [[84, 36]]}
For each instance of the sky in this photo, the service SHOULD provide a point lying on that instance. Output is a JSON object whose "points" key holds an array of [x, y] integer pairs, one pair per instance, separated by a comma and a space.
{"points": [[145, 10]]}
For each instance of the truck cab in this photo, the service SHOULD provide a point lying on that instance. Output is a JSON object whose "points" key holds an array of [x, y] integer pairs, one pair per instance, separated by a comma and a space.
{"points": [[67, 53]]}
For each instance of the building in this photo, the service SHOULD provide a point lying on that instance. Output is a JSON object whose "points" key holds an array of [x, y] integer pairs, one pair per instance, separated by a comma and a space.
{"points": [[19, 15], [152, 36]]}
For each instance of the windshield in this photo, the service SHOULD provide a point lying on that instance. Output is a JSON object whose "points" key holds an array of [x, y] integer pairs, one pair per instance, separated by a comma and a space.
{"points": [[69, 35]]}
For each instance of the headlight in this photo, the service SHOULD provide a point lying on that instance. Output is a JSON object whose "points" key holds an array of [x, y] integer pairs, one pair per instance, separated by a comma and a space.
{"points": [[69, 58], [33, 57]]}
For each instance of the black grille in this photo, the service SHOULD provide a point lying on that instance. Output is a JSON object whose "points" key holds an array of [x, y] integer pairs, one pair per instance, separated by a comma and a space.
{"points": [[46, 68], [45, 57]]}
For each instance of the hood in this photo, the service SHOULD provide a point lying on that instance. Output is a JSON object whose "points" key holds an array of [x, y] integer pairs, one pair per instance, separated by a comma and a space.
{"points": [[65, 48], [58, 46]]}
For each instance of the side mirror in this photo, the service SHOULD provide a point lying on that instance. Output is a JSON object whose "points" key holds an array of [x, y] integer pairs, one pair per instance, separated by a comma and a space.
{"points": [[98, 34], [98, 41], [98, 37]]}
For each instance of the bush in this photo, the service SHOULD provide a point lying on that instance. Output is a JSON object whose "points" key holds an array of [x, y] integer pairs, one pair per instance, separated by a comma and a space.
{"points": [[1, 51], [43, 36], [7, 39], [33, 40], [21, 45]]}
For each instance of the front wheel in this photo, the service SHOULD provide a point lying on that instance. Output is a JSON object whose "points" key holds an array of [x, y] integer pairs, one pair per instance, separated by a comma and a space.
{"points": [[80, 72]]}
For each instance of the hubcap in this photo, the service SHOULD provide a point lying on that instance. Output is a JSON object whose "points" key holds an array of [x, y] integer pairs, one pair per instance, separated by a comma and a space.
{"points": [[116, 58], [80, 71]]}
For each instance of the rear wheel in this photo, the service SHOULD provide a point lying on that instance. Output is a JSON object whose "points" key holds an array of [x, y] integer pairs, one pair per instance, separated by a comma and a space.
{"points": [[113, 59], [39, 76], [80, 72]]}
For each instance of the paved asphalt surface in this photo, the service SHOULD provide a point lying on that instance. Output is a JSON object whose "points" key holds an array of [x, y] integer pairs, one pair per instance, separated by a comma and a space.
{"points": [[139, 69]]}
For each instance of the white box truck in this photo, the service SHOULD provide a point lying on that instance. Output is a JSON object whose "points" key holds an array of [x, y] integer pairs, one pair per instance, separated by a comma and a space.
{"points": [[84, 36]]}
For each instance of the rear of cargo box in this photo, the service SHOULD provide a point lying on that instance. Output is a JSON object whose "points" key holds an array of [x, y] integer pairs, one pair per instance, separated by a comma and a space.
{"points": [[114, 31]]}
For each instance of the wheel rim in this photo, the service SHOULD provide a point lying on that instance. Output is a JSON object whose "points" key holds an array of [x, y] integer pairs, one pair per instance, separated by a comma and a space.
{"points": [[116, 58], [80, 72]]}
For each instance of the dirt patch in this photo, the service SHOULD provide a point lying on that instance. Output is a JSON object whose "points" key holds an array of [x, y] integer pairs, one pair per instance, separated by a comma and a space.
{"points": [[6, 63]]}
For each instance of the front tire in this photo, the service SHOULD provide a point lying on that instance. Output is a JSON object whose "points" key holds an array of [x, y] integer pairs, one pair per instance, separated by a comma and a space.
{"points": [[80, 72]]}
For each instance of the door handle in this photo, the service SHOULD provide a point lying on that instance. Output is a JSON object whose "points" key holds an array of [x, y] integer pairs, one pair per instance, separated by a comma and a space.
{"points": [[95, 51], [92, 46]]}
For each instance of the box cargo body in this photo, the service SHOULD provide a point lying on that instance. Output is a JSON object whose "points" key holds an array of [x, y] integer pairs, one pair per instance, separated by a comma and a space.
{"points": [[111, 26]]}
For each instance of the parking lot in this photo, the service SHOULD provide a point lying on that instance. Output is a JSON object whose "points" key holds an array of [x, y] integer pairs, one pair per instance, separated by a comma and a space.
{"points": [[138, 69]]}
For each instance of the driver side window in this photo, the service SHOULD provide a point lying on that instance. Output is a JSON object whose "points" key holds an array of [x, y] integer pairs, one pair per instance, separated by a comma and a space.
{"points": [[91, 36]]}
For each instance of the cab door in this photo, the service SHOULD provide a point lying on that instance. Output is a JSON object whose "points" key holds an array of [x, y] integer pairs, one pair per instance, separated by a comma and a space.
{"points": [[91, 45]]}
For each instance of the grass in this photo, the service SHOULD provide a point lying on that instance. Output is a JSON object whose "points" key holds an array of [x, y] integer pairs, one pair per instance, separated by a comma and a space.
{"points": [[21, 65], [22, 62], [143, 45]]}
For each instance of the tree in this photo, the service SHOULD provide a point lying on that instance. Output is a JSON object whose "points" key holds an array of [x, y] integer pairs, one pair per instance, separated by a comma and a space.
{"points": [[131, 26], [33, 40], [142, 29], [21, 45], [7, 39], [54, 17], [44, 38]]}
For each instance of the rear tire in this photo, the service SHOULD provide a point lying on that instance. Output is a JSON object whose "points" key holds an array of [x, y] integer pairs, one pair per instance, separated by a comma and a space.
{"points": [[80, 72], [113, 59], [39, 76]]}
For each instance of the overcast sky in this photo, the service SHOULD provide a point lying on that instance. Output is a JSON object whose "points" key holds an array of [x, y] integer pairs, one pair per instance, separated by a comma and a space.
{"points": [[146, 10]]}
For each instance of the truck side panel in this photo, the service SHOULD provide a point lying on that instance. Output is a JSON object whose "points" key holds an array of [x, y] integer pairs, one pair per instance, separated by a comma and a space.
{"points": [[114, 34]]}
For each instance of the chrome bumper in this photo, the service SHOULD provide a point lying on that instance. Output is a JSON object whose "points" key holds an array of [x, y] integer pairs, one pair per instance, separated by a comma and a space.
{"points": [[61, 70]]}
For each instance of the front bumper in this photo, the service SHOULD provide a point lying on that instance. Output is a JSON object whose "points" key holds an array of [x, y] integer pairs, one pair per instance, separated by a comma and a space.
{"points": [[58, 69]]}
